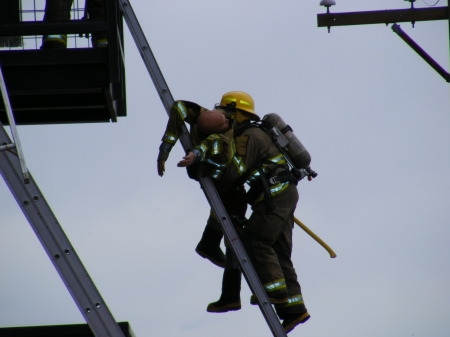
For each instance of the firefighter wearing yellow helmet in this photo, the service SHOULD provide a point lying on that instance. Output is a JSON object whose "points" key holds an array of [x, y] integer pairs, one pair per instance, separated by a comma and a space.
{"points": [[241, 102], [267, 235]]}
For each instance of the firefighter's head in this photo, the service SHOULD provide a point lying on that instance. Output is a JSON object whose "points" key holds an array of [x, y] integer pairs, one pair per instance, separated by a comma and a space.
{"points": [[213, 121], [241, 104]]}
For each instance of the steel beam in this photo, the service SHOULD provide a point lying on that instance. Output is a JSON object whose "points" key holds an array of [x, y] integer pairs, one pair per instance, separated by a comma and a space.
{"points": [[405, 37], [384, 16], [39, 28]]}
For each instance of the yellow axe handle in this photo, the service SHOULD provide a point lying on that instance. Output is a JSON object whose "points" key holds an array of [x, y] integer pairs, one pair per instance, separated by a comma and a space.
{"points": [[315, 237]]}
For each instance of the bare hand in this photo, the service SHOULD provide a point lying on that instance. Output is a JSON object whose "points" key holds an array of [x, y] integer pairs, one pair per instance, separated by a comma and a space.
{"points": [[188, 160]]}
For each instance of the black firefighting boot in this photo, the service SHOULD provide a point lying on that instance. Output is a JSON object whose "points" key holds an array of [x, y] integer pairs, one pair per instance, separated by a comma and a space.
{"points": [[293, 313], [230, 300], [99, 41], [209, 246], [55, 41], [292, 320]]}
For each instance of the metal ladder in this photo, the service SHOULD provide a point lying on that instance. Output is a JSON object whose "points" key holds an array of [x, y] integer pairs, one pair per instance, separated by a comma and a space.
{"points": [[50, 233], [207, 186], [57, 245]]}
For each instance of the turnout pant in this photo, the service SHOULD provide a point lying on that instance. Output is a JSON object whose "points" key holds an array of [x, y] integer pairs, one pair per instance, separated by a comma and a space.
{"points": [[267, 238]]}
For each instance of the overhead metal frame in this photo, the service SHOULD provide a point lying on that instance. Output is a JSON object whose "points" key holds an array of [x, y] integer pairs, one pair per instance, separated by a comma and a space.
{"points": [[73, 85], [393, 16], [384, 16]]}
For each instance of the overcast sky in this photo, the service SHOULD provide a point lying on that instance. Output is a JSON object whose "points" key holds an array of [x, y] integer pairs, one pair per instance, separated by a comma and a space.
{"points": [[373, 115]]}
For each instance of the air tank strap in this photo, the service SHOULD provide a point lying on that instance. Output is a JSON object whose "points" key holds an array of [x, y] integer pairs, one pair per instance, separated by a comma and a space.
{"points": [[292, 176], [262, 186], [286, 129]]}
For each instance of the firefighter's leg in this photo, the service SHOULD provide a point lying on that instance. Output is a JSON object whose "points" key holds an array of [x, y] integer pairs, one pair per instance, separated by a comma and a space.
{"points": [[96, 10], [294, 312], [209, 245], [260, 233], [230, 298], [56, 11]]}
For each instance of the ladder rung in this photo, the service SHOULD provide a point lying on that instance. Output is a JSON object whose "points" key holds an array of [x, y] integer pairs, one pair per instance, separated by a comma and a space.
{"points": [[7, 147]]}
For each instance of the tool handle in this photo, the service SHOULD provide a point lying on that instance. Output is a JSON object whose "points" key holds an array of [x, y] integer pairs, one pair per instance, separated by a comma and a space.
{"points": [[315, 237]]}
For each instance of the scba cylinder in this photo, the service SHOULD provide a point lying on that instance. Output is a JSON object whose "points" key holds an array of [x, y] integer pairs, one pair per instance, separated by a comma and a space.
{"points": [[298, 154]]}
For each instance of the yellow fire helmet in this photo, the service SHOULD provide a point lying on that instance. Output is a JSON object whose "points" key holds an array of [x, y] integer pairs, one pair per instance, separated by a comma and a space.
{"points": [[243, 101]]}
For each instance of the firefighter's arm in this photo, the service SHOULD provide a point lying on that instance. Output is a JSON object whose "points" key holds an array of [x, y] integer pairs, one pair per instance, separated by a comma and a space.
{"points": [[164, 150], [199, 153], [187, 160], [168, 140], [181, 111], [213, 149]]}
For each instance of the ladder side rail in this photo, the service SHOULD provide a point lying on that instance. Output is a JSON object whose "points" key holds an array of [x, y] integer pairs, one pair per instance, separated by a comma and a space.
{"points": [[57, 245], [207, 186], [12, 124], [147, 54]]}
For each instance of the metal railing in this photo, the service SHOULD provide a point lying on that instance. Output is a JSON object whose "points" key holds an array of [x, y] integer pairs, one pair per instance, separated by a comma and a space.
{"points": [[31, 11]]}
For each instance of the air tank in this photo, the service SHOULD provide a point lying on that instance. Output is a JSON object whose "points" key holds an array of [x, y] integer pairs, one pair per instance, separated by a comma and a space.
{"points": [[297, 153]]}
